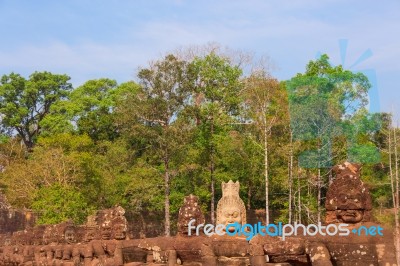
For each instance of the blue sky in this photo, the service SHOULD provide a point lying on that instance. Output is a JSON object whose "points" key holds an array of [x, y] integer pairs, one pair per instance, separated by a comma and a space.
{"points": [[94, 39]]}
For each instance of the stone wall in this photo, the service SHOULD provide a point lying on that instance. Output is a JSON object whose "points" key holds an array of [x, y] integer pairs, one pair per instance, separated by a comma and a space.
{"points": [[14, 220]]}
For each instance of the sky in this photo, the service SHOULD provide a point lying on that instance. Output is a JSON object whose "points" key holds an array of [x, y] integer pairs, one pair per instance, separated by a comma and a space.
{"points": [[112, 39]]}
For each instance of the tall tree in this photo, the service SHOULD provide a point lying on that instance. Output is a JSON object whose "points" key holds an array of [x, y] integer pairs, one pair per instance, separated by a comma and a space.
{"points": [[94, 105], [329, 96], [153, 113], [262, 101], [216, 88], [25, 103]]}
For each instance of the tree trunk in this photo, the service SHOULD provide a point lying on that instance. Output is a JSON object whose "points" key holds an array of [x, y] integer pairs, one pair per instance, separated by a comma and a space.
{"points": [[212, 171], [290, 178], [249, 196], [391, 169], [319, 196], [167, 204], [308, 200], [299, 196], [266, 171], [396, 162]]}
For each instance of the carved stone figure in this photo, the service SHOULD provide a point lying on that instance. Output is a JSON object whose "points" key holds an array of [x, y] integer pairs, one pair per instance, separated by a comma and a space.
{"points": [[105, 251], [50, 239], [348, 200], [69, 239], [231, 208], [91, 229], [119, 226], [292, 250], [227, 250], [189, 211]]}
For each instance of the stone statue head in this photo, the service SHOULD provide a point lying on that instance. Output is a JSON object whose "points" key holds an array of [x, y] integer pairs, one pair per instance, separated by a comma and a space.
{"points": [[91, 228], [119, 228], [70, 234], [106, 230], [348, 200], [231, 208], [190, 210]]}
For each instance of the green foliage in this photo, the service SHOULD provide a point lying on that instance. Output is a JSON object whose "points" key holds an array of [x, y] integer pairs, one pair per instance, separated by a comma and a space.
{"points": [[217, 81], [57, 203], [184, 124], [332, 98], [25, 103]]}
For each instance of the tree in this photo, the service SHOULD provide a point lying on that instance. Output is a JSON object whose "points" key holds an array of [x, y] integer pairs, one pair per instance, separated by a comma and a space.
{"points": [[216, 89], [58, 161], [57, 203], [25, 103], [260, 96], [96, 101], [322, 102], [89, 110], [152, 113]]}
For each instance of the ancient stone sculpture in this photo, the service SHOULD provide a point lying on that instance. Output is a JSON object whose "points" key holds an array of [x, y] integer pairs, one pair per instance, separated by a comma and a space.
{"points": [[69, 239], [189, 211], [227, 250], [348, 200], [231, 208], [105, 251]]}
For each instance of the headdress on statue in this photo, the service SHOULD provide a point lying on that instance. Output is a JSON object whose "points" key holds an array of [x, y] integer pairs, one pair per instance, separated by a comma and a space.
{"points": [[231, 207]]}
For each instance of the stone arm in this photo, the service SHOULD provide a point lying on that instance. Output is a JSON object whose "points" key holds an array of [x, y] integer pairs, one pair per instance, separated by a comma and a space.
{"points": [[77, 254], [318, 253], [88, 253]]}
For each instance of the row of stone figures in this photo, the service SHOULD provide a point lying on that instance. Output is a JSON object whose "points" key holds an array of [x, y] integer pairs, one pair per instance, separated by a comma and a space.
{"points": [[103, 240]]}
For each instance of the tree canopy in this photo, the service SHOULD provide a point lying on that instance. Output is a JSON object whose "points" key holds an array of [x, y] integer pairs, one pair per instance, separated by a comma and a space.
{"points": [[182, 127]]}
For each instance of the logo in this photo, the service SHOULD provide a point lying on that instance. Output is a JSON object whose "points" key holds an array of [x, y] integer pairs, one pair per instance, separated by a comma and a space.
{"points": [[281, 230]]}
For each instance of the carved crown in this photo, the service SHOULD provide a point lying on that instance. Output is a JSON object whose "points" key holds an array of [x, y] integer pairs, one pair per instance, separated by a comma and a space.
{"points": [[230, 189]]}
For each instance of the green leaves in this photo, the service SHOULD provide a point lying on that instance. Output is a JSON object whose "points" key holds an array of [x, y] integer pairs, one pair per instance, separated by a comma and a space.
{"points": [[25, 103], [218, 81], [56, 204], [320, 102], [184, 125]]}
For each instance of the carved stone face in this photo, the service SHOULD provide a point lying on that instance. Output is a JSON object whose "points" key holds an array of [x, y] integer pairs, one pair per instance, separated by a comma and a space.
{"points": [[350, 207], [38, 235], [119, 231], [90, 234], [231, 215], [105, 231], [348, 200], [231, 208], [350, 216], [69, 235]]}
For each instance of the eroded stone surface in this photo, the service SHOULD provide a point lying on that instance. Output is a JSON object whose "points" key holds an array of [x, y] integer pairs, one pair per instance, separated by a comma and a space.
{"points": [[348, 200], [231, 208], [189, 211], [104, 239]]}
